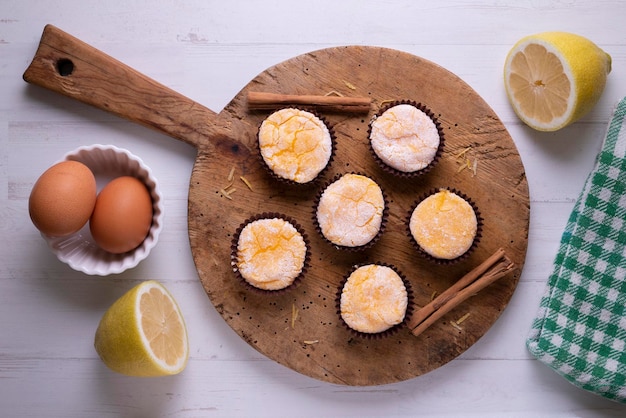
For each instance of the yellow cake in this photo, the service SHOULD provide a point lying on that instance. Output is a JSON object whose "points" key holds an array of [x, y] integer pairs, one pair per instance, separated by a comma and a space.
{"points": [[350, 211], [444, 225], [373, 299], [271, 253], [295, 144], [405, 138]]}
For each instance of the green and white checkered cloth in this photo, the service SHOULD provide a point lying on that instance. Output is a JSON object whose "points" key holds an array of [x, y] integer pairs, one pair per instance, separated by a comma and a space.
{"points": [[580, 328]]}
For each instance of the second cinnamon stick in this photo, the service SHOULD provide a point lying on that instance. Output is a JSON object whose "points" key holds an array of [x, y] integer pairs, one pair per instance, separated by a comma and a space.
{"points": [[492, 269]]}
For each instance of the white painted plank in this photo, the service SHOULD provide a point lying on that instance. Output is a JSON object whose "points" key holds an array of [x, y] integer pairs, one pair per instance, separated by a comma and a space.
{"points": [[209, 50], [486, 388]]}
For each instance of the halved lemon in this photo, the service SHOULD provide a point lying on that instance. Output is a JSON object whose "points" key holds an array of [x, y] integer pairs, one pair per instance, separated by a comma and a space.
{"points": [[553, 78], [143, 333]]}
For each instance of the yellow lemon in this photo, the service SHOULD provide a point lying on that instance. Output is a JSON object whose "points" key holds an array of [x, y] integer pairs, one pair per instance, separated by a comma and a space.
{"points": [[143, 333], [553, 78]]}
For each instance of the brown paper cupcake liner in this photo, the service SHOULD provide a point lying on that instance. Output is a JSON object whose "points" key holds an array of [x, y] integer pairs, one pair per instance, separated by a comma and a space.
{"points": [[316, 180], [390, 331], [470, 250], [358, 248], [235, 261], [404, 174]]}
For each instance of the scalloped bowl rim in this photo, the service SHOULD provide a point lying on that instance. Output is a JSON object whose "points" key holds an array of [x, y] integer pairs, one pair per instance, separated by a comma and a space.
{"points": [[78, 250]]}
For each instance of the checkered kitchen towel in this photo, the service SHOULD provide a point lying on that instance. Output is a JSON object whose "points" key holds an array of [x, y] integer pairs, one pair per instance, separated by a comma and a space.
{"points": [[580, 328]]}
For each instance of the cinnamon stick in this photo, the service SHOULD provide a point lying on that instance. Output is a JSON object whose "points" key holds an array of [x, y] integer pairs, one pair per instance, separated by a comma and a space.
{"points": [[262, 100], [492, 269]]}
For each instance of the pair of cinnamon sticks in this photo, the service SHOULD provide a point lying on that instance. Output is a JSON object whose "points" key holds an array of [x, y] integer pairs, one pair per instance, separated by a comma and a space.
{"points": [[489, 271]]}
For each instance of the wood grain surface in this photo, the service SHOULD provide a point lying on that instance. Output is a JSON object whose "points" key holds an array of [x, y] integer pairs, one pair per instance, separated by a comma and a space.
{"points": [[300, 328], [499, 189]]}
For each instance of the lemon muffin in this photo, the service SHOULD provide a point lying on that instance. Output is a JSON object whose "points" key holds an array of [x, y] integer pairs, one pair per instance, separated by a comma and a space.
{"points": [[270, 253], [373, 299], [350, 211], [444, 225], [405, 138], [296, 145]]}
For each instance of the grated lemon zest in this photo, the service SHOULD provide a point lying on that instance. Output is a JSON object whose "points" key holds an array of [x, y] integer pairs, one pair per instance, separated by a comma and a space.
{"points": [[225, 194], [463, 318], [349, 85], [462, 153], [309, 342], [294, 315], [432, 295], [246, 182], [465, 162], [455, 325], [228, 189]]}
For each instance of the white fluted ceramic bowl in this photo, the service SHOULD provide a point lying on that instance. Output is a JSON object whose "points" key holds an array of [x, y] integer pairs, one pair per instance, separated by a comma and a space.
{"points": [[79, 250]]}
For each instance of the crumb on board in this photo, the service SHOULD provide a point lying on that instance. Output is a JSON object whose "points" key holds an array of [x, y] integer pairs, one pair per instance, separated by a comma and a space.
{"points": [[309, 342]]}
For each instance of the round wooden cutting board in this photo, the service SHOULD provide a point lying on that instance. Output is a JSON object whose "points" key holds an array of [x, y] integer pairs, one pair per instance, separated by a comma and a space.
{"points": [[301, 328]]}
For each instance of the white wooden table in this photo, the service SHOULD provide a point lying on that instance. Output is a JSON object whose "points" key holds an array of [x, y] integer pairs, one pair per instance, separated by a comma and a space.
{"points": [[208, 50]]}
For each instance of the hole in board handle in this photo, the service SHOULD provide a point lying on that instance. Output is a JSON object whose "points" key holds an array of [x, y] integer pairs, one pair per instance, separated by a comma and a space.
{"points": [[65, 67]]}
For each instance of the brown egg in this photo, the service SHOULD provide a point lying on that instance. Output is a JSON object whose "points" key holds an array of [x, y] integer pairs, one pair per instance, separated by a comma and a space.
{"points": [[122, 216], [63, 198]]}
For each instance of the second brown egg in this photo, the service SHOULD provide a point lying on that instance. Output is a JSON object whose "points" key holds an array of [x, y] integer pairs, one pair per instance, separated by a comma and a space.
{"points": [[122, 215]]}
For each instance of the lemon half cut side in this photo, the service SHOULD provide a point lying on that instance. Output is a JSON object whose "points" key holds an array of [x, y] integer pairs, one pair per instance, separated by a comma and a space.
{"points": [[552, 79], [143, 333]]}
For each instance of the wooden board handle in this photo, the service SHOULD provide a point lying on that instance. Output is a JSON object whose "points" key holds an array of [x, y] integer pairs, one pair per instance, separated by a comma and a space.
{"points": [[75, 69]]}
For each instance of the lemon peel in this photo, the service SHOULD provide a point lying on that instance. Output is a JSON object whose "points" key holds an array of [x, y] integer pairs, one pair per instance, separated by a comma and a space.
{"points": [[143, 333], [552, 79]]}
